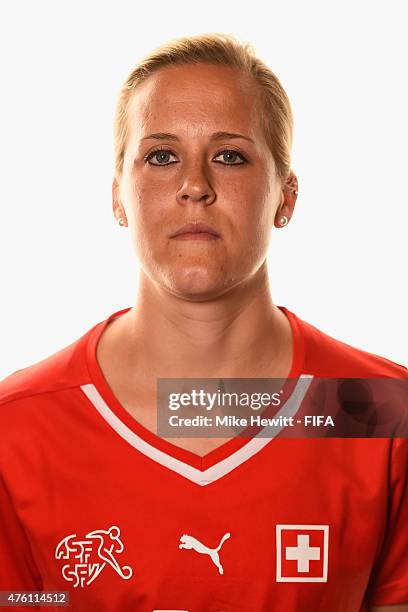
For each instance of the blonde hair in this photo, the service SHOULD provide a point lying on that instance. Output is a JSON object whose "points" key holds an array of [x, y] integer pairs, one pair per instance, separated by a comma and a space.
{"points": [[215, 48]]}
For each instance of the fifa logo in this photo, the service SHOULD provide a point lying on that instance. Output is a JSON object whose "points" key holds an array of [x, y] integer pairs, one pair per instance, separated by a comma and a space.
{"points": [[86, 557]]}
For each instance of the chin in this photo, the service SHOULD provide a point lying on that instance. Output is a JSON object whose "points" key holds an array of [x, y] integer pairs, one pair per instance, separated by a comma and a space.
{"points": [[197, 284]]}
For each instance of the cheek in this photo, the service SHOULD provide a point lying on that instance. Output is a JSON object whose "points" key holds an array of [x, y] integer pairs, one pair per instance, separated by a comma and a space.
{"points": [[148, 205], [251, 208]]}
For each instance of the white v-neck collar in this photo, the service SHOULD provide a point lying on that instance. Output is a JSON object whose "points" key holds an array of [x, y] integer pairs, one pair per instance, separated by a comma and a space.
{"points": [[220, 468]]}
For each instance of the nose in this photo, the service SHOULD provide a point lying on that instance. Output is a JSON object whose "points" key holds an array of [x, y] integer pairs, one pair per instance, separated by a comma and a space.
{"points": [[196, 186]]}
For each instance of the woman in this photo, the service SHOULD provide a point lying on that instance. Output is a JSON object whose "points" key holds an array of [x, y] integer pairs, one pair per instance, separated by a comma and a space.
{"points": [[93, 501]]}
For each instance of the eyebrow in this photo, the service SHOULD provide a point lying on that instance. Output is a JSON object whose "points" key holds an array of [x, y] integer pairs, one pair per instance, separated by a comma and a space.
{"points": [[214, 136]]}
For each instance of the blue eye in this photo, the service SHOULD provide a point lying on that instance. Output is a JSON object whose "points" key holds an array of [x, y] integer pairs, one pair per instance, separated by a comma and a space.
{"points": [[231, 153], [159, 154], [162, 157]]}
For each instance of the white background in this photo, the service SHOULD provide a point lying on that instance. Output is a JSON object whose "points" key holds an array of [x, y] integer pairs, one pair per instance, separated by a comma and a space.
{"points": [[340, 264]]}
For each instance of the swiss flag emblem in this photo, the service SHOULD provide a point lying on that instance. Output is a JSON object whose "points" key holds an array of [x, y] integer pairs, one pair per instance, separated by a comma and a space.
{"points": [[302, 553]]}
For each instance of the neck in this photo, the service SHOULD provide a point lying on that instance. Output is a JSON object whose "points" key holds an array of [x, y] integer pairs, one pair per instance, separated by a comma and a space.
{"points": [[239, 334]]}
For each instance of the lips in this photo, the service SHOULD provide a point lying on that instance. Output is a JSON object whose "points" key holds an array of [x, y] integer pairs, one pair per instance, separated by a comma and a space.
{"points": [[196, 228]]}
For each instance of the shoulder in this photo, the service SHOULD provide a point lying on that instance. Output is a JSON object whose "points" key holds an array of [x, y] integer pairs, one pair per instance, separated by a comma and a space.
{"points": [[326, 356], [38, 403], [61, 370]]}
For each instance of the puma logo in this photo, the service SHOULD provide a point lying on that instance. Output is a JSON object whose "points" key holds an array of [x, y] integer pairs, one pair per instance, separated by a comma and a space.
{"points": [[189, 542]]}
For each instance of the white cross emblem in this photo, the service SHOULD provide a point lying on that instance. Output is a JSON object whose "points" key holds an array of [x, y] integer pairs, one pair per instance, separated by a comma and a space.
{"points": [[311, 559], [302, 553]]}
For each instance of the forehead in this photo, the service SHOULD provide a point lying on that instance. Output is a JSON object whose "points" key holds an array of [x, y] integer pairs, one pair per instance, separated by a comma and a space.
{"points": [[195, 98]]}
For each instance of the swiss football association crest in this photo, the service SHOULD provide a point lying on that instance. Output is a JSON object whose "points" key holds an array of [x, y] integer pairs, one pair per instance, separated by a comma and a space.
{"points": [[86, 557], [302, 553]]}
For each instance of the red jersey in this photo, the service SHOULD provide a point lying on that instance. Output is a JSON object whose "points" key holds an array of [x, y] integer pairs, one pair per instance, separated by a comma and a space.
{"points": [[93, 503]]}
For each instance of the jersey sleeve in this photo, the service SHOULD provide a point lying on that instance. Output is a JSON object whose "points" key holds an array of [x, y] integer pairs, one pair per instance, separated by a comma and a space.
{"points": [[388, 584], [18, 570]]}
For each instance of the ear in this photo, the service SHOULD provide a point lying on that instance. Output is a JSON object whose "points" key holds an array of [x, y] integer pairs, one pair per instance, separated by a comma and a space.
{"points": [[117, 207], [288, 199]]}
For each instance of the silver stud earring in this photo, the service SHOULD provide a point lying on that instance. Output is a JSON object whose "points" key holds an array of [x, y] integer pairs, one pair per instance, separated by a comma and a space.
{"points": [[121, 221], [295, 192], [283, 221]]}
